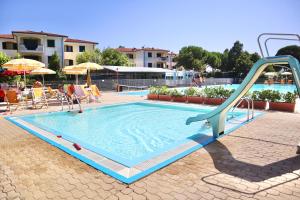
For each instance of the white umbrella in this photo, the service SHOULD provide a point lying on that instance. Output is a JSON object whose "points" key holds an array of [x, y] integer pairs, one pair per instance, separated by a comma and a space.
{"points": [[75, 72], [286, 73], [23, 64], [42, 71], [271, 74]]}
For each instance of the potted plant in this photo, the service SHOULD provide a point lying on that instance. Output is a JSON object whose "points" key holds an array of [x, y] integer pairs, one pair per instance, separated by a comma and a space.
{"points": [[258, 102], [288, 103], [212, 96], [177, 96], [153, 93], [194, 96], [163, 94]]}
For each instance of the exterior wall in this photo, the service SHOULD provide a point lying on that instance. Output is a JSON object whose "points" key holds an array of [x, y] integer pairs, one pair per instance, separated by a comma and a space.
{"points": [[170, 63], [10, 53], [154, 59], [141, 59], [75, 45], [43, 51]]}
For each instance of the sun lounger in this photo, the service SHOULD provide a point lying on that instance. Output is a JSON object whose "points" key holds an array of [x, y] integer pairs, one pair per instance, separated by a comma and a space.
{"points": [[95, 92], [39, 97], [11, 98]]}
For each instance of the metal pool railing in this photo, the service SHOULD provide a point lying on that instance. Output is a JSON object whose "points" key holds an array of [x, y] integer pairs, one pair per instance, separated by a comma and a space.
{"points": [[110, 84]]}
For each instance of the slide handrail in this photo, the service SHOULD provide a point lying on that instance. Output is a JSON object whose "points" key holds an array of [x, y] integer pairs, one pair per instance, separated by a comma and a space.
{"points": [[296, 38], [217, 117]]}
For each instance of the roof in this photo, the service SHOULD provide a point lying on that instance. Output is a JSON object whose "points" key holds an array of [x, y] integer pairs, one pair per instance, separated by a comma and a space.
{"points": [[124, 49], [39, 33], [137, 69], [79, 41], [10, 36], [7, 36]]}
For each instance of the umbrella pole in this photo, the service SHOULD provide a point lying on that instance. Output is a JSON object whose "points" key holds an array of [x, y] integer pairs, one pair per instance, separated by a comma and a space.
{"points": [[24, 78], [43, 80], [76, 79]]}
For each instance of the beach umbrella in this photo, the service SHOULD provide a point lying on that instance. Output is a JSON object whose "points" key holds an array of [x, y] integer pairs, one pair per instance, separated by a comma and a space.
{"points": [[286, 73], [23, 64], [76, 72], [271, 74], [42, 71], [88, 66]]}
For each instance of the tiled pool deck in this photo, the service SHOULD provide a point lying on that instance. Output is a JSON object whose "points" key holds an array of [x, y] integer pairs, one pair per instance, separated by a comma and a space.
{"points": [[257, 161]]}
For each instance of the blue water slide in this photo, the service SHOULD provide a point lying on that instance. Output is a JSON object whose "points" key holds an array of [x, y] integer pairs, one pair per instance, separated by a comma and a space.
{"points": [[217, 117]]}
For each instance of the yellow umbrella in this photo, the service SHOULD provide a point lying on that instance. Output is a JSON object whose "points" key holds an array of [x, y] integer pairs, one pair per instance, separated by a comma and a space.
{"points": [[75, 72], [23, 64], [89, 66], [42, 71]]}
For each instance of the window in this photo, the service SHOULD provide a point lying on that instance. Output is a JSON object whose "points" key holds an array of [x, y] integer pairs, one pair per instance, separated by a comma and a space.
{"points": [[159, 65], [68, 48], [149, 64], [81, 48], [158, 55], [50, 43], [9, 45], [130, 56], [69, 62], [149, 55], [49, 58]]}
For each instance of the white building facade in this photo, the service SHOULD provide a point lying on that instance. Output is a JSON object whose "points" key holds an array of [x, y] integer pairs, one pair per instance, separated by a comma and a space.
{"points": [[41, 46], [149, 57]]}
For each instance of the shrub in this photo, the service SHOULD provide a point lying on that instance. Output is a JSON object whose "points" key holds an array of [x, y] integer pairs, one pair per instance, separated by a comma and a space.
{"points": [[175, 93], [164, 90], [255, 96], [154, 90], [190, 91], [289, 97], [270, 95]]}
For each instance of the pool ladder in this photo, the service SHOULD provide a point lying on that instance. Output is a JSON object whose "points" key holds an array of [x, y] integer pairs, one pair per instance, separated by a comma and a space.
{"points": [[250, 106]]}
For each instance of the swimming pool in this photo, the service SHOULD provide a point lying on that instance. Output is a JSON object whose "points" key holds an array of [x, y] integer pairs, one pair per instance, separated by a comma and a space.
{"points": [[127, 135], [256, 87]]}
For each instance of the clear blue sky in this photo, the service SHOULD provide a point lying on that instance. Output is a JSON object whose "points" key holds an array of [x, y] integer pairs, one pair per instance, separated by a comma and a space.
{"points": [[170, 24]]}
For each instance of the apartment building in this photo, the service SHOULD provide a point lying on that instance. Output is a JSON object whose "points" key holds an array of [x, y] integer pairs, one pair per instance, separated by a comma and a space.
{"points": [[149, 57], [41, 46]]}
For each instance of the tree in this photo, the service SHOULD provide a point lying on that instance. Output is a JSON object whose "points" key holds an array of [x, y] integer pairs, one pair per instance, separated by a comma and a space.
{"points": [[54, 62], [243, 64], [234, 53], [89, 56], [3, 58], [113, 57], [214, 59], [192, 57], [292, 50]]}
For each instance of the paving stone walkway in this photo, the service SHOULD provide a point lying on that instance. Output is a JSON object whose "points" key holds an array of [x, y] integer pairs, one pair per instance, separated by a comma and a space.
{"points": [[257, 161]]}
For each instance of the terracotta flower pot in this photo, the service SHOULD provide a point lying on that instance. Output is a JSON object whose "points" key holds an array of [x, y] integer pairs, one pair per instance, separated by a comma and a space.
{"points": [[152, 96], [259, 104], [164, 97], [179, 98], [213, 101], [282, 106], [195, 99]]}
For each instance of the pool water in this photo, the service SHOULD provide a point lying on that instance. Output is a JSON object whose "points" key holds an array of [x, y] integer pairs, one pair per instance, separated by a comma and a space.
{"points": [[126, 133], [256, 87]]}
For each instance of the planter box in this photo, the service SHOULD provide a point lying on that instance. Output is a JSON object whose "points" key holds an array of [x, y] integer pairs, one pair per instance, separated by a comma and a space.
{"points": [[164, 97], [195, 99], [213, 101], [259, 104], [152, 96], [282, 106], [179, 98]]}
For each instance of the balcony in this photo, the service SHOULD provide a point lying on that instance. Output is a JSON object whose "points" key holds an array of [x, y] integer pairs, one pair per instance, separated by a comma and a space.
{"points": [[24, 49], [162, 59]]}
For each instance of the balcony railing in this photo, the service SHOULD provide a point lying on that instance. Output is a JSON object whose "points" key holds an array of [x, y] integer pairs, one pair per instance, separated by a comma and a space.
{"points": [[163, 59], [39, 49]]}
